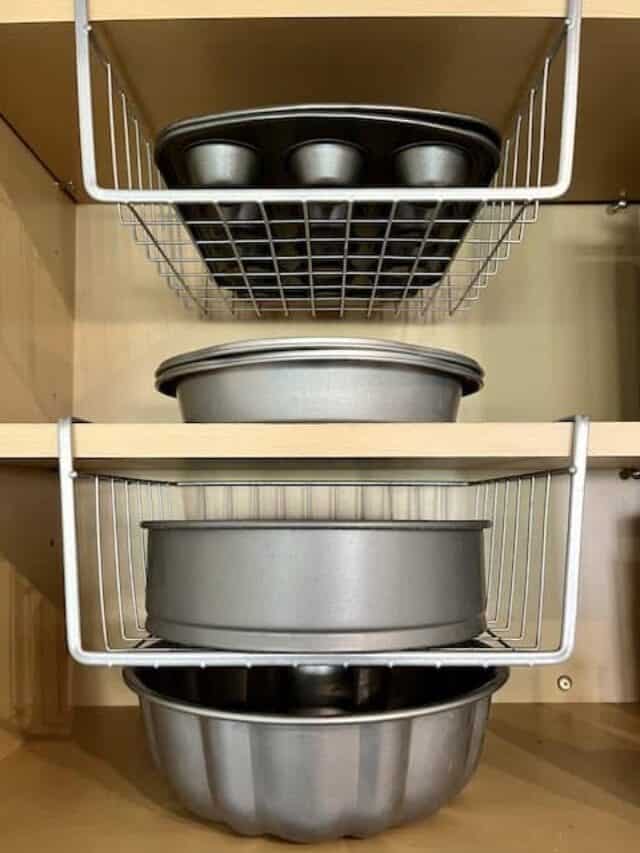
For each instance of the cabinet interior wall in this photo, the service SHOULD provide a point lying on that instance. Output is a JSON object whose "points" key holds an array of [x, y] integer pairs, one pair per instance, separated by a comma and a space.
{"points": [[37, 259], [556, 331]]}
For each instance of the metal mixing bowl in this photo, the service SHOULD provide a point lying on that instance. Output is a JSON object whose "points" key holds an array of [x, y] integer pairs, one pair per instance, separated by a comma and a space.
{"points": [[238, 747], [320, 586]]}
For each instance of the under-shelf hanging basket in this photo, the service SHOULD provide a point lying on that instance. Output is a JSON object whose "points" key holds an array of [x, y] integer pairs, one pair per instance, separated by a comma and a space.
{"points": [[532, 553], [484, 223]]}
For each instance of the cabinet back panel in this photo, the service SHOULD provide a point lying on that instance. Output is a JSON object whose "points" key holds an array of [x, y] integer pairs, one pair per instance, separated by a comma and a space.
{"points": [[556, 332]]}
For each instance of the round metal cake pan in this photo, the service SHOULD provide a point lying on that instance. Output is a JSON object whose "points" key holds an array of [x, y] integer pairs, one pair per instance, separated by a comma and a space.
{"points": [[236, 749], [318, 385], [256, 346], [315, 586]]}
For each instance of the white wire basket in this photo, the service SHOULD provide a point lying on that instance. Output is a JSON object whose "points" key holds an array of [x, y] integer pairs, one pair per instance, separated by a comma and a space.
{"points": [[532, 553], [409, 270]]}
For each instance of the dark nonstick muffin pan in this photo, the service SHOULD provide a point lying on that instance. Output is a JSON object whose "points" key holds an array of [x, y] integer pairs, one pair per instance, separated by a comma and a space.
{"points": [[466, 122], [325, 146], [316, 586], [275, 134]]}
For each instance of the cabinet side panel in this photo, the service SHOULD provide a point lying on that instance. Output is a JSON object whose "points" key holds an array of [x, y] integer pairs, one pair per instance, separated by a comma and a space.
{"points": [[37, 254]]}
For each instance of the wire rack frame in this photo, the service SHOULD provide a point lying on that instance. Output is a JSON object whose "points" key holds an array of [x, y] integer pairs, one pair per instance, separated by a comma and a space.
{"points": [[532, 554], [368, 253]]}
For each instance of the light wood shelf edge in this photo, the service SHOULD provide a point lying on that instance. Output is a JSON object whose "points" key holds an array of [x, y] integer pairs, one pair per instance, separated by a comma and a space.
{"points": [[338, 441], [467, 441], [615, 440], [347, 441], [28, 441], [50, 11]]}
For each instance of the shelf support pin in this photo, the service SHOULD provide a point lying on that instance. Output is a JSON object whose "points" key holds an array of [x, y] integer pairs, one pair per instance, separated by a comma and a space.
{"points": [[565, 683], [630, 474], [622, 203]]}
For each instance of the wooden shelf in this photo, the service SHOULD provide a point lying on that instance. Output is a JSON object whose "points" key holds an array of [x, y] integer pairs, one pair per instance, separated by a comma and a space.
{"points": [[28, 442], [41, 11], [610, 443], [340, 441], [552, 777]]}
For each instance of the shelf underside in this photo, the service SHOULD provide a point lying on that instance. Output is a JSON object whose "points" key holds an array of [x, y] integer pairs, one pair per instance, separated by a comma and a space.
{"points": [[552, 777], [469, 65]]}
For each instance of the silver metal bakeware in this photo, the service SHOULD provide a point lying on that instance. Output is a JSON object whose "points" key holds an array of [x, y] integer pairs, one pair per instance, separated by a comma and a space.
{"points": [[254, 346], [315, 148], [314, 586], [318, 384], [222, 164], [326, 163], [262, 750], [432, 165]]}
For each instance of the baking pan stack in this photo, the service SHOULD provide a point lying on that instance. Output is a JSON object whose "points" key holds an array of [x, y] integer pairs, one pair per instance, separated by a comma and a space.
{"points": [[315, 752], [288, 250], [319, 379]]}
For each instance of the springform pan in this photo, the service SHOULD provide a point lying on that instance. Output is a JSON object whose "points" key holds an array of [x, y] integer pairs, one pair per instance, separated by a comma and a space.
{"points": [[315, 586]]}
